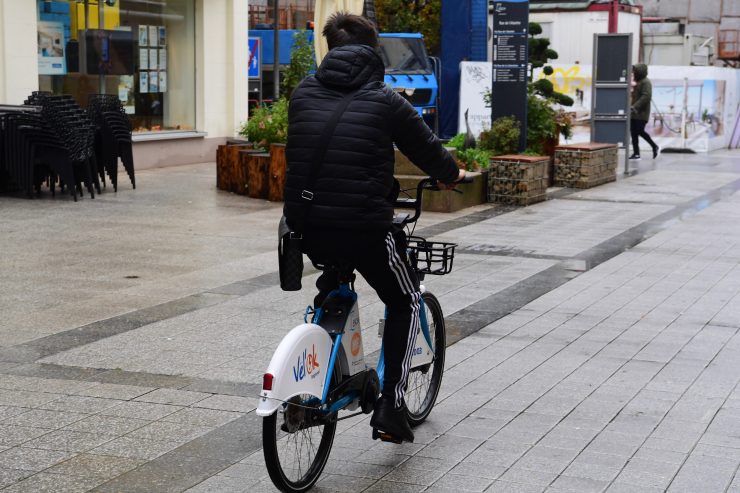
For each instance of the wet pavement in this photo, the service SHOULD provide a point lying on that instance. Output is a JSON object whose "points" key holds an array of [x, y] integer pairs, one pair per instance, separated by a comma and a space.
{"points": [[594, 342]]}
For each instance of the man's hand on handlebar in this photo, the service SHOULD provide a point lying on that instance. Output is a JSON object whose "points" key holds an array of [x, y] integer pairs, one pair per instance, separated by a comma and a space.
{"points": [[460, 179]]}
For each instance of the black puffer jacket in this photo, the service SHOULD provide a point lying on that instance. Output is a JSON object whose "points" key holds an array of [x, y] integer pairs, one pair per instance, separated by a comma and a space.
{"points": [[355, 188]]}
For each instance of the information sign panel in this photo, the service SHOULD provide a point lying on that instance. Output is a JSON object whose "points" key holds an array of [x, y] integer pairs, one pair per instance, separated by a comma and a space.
{"points": [[510, 57]]}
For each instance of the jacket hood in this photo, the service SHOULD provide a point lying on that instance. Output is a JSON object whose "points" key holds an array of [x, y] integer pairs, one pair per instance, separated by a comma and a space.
{"points": [[641, 71], [350, 67]]}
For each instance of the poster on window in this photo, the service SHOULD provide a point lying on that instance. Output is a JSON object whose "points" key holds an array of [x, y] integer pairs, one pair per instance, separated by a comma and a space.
{"points": [[153, 35], [162, 81], [153, 58], [51, 48], [143, 82], [143, 58], [143, 35], [162, 36], [162, 59], [153, 81]]}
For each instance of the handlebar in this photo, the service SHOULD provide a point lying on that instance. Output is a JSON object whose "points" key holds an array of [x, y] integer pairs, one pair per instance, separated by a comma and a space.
{"points": [[415, 203]]}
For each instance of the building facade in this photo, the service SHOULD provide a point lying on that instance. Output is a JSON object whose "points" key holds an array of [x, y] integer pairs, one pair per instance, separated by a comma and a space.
{"points": [[178, 66], [715, 21]]}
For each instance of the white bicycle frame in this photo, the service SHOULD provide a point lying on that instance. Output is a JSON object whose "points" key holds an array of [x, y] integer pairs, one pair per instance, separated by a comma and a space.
{"points": [[304, 361]]}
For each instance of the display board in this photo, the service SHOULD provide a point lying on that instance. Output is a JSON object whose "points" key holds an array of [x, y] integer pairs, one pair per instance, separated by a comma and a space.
{"points": [[611, 91], [510, 37]]}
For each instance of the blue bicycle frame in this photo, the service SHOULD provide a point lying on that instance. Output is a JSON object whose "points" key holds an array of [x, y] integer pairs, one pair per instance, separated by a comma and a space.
{"points": [[346, 292]]}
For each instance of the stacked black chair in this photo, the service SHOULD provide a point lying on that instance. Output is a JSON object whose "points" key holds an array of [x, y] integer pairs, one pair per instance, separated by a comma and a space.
{"points": [[113, 137], [75, 131], [31, 151]]}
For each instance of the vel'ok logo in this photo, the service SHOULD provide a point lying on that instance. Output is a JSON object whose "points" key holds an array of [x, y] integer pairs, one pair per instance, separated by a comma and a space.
{"points": [[306, 364]]}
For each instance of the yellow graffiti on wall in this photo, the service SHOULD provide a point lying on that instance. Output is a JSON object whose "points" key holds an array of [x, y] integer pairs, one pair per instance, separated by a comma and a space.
{"points": [[568, 80]]}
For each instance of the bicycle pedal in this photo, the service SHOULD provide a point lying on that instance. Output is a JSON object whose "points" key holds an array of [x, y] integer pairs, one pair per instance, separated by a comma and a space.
{"points": [[386, 437]]}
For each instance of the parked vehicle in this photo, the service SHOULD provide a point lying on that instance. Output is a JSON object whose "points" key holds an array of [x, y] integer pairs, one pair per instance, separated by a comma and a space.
{"points": [[408, 68]]}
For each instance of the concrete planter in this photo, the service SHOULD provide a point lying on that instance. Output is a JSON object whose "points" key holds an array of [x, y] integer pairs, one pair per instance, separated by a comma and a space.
{"points": [[408, 175]]}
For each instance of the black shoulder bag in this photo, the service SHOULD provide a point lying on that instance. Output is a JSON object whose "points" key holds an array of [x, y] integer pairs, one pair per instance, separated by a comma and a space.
{"points": [[290, 256]]}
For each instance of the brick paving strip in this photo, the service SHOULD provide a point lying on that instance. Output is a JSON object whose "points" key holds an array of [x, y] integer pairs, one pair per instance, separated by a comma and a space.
{"points": [[225, 445]]}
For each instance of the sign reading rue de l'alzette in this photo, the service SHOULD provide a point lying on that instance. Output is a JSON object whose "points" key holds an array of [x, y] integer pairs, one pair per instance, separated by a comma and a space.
{"points": [[510, 58]]}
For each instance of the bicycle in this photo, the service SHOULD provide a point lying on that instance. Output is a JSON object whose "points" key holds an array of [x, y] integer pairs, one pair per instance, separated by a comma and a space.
{"points": [[319, 367]]}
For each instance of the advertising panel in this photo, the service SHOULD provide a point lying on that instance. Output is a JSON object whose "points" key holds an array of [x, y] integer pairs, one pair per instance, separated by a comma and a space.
{"points": [[51, 48], [699, 99]]}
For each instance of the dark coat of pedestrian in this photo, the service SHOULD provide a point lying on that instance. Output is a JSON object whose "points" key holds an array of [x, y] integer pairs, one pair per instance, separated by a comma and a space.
{"points": [[642, 95]]}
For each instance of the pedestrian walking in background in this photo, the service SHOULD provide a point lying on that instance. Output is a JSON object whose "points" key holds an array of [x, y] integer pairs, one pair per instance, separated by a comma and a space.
{"points": [[642, 95]]}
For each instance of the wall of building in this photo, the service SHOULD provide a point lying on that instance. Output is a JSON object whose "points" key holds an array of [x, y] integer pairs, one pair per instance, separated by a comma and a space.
{"points": [[702, 17], [19, 70], [221, 61], [572, 32]]}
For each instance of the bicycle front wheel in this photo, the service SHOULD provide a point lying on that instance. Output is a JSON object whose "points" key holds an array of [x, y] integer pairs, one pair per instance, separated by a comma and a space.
{"points": [[424, 381], [296, 444]]}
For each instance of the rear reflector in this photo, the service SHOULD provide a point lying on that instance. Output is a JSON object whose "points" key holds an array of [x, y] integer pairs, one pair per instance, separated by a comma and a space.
{"points": [[267, 382]]}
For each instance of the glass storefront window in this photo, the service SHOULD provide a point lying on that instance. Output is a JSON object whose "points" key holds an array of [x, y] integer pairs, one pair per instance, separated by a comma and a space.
{"points": [[144, 53]]}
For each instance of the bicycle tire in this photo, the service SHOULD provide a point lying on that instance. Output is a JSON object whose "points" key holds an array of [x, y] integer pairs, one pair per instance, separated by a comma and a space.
{"points": [[272, 435], [424, 382]]}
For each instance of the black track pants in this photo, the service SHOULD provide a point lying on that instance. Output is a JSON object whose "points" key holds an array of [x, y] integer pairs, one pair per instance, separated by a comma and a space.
{"points": [[637, 129], [380, 258]]}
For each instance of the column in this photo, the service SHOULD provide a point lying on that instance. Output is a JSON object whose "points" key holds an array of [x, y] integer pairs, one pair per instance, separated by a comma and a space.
{"points": [[19, 71]]}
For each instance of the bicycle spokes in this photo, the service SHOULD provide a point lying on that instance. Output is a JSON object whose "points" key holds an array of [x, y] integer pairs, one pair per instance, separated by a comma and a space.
{"points": [[297, 439]]}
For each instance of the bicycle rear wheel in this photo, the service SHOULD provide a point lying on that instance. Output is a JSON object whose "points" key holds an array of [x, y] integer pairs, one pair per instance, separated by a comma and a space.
{"points": [[295, 446], [424, 381]]}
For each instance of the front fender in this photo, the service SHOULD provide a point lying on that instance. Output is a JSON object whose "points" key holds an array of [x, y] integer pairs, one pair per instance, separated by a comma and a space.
{"points": [[299, 366]]}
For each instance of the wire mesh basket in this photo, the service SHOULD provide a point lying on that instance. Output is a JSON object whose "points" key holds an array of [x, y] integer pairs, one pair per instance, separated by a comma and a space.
{"points": [[431, 257]]}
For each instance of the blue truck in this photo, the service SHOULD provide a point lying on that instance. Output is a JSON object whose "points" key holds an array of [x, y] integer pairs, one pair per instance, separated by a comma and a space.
{"points": [[408, 68], [411, 72]]}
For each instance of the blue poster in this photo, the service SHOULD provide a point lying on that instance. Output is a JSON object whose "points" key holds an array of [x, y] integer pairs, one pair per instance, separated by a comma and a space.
{"points": [[254, 61]]}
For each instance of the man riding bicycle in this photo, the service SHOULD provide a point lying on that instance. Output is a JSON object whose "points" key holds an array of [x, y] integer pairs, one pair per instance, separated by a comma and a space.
{"points": [[349, 220]]}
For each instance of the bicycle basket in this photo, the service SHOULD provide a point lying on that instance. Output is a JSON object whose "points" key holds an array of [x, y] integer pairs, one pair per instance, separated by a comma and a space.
{"points": [[430, 257]]}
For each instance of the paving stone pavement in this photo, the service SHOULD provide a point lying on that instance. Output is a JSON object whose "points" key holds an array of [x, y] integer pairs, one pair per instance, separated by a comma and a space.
{"points": [[596, 342]]}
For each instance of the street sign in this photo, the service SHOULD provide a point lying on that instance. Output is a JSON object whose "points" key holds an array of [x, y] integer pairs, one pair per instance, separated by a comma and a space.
{"points": [[510, 58], [254, 63]]}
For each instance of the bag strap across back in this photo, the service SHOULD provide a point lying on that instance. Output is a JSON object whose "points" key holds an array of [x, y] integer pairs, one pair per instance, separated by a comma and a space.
{"points": [[307, 194]]}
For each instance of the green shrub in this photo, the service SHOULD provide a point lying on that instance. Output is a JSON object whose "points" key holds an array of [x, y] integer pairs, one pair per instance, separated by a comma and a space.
{"points": [[474, 159], [456, 142], [267, 125], [540, 123], [502, 137], [301, 63]]}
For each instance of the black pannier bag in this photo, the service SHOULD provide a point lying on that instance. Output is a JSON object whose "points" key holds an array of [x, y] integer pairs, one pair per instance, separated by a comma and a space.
{"points": [[290, 257]]}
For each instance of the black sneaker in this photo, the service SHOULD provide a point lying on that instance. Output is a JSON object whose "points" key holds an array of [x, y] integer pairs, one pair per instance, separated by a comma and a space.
{"points": [[656, 152], [391, 421], [635, 157]]}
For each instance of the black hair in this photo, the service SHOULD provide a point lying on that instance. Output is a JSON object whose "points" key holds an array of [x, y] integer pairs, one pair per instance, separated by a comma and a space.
{"points": [[343, 28]]}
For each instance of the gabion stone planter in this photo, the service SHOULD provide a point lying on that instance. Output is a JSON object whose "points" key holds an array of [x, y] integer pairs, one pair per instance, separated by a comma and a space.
{"points": [[585, 165], [518, 179]]}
